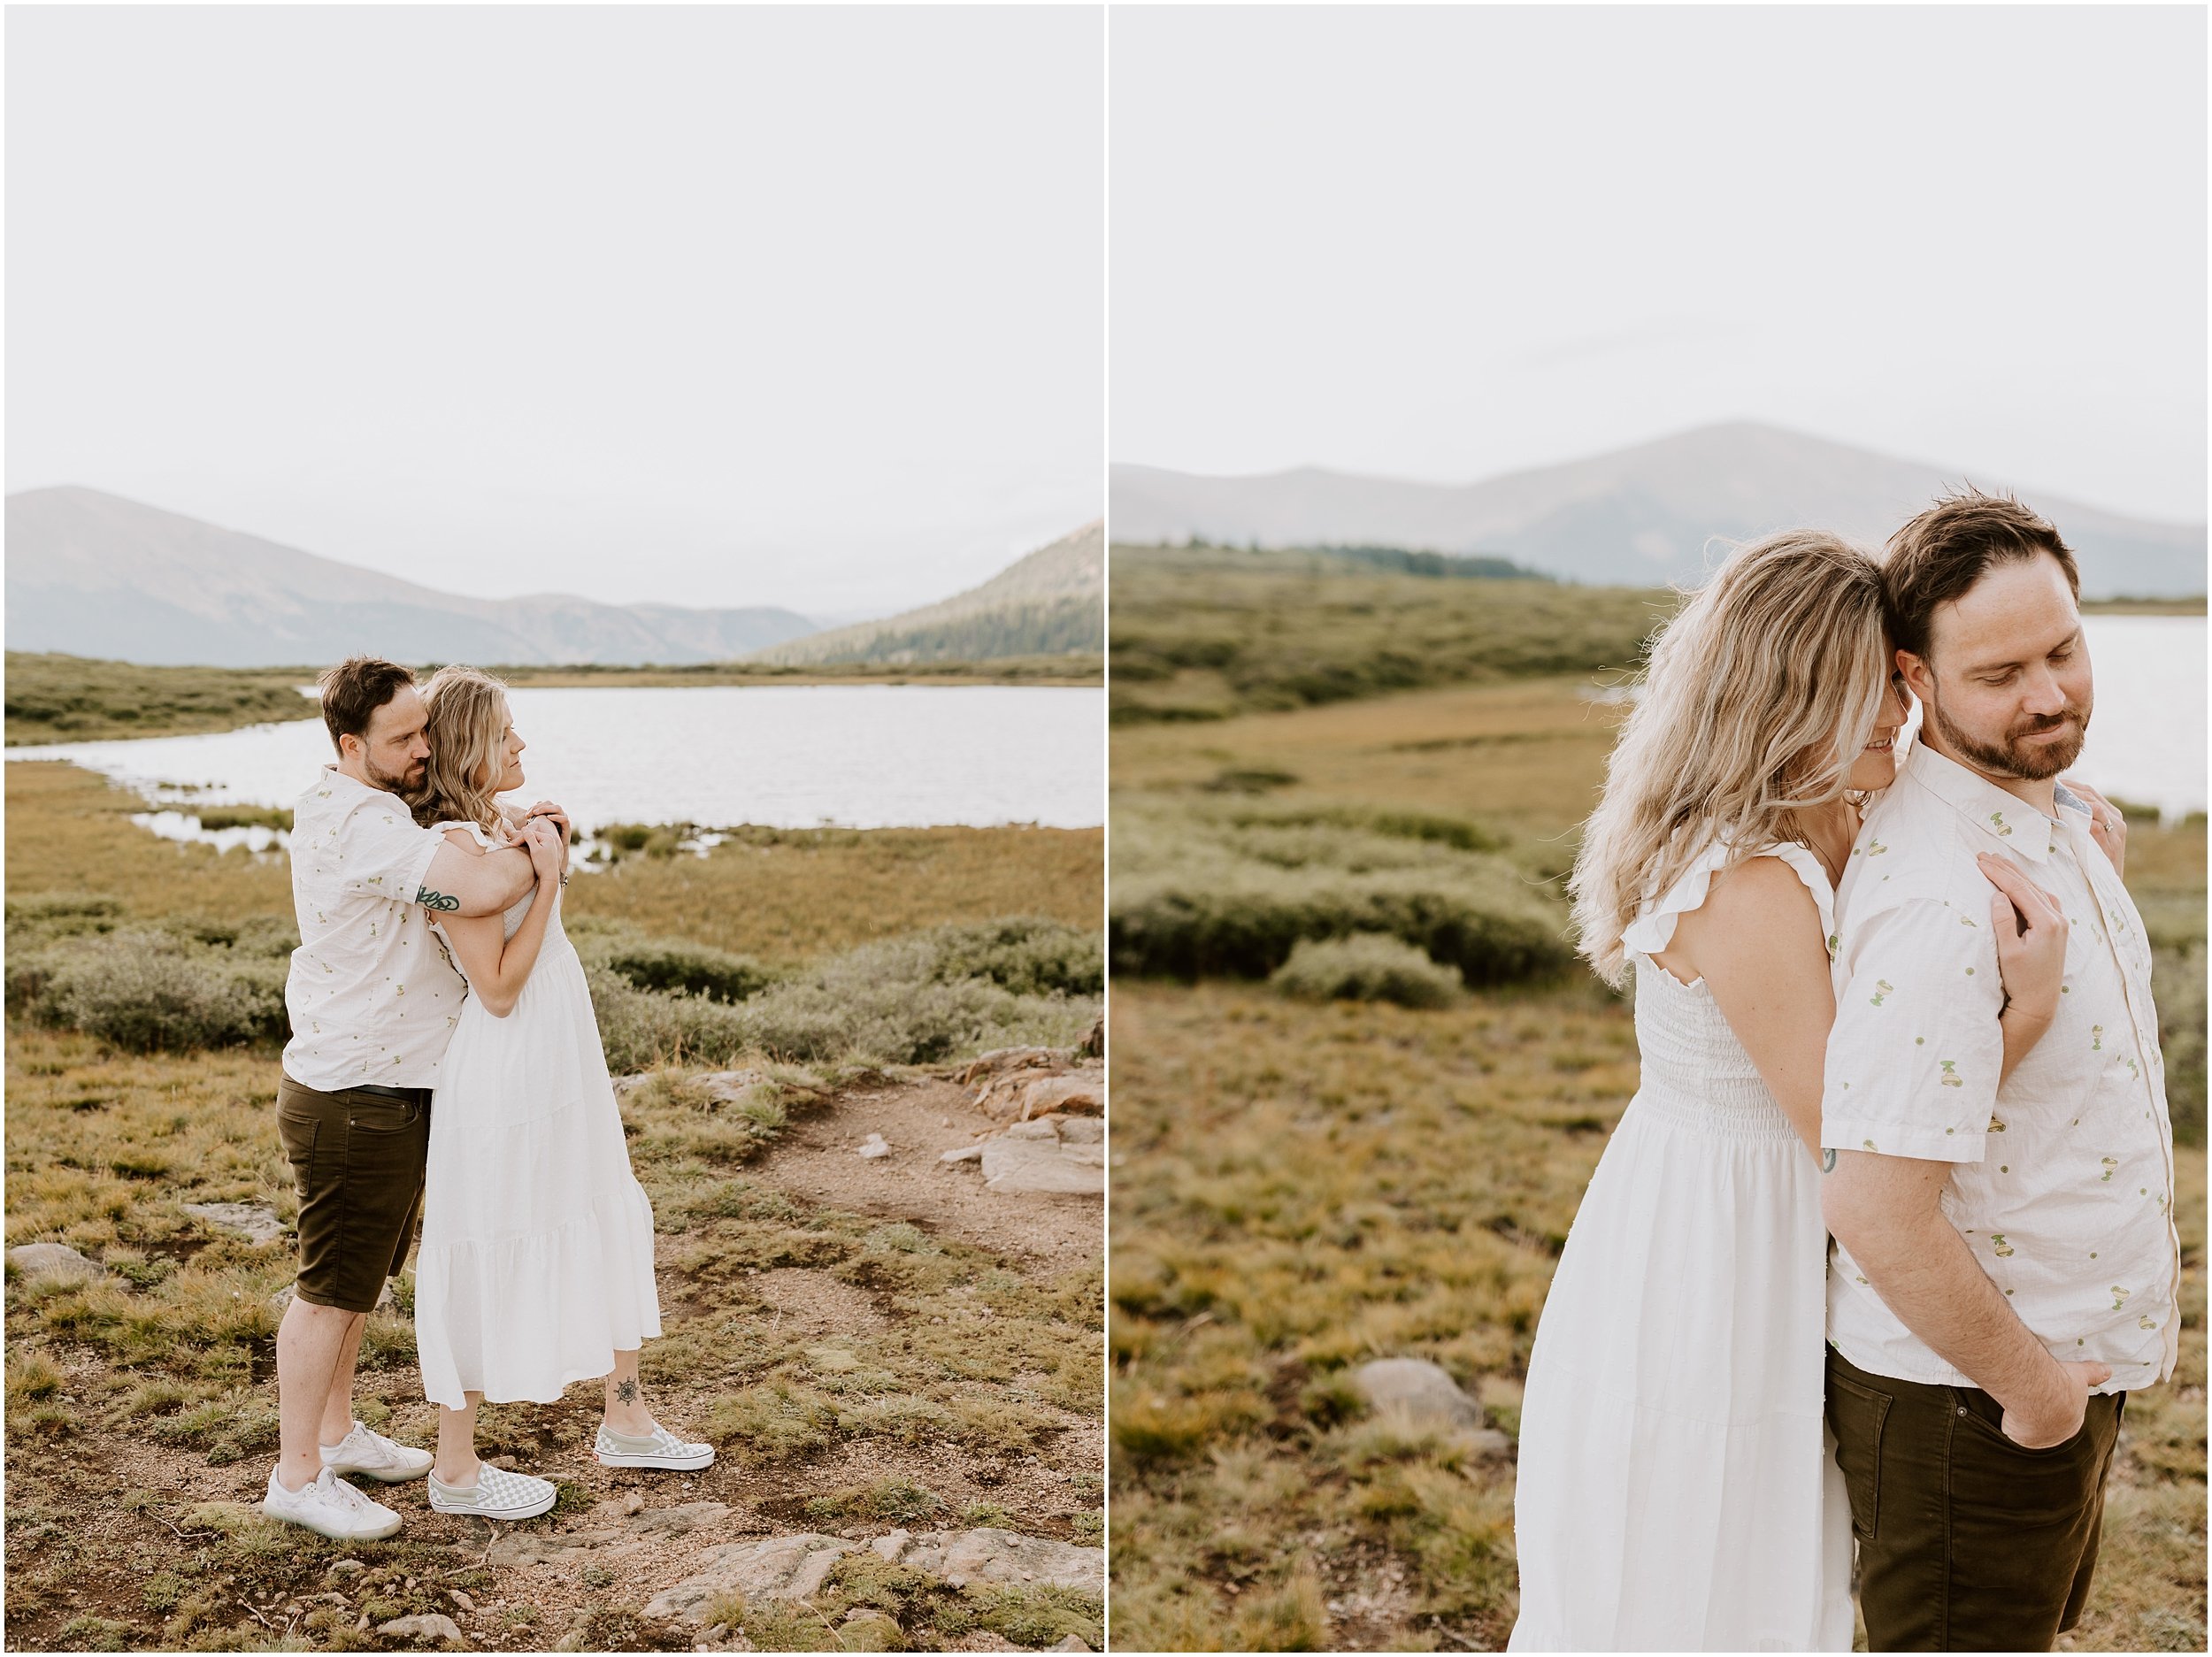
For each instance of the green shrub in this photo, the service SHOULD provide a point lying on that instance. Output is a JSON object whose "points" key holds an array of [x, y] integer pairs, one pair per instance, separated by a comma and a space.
{"points": [[150, 991], [641, 1029], [1197, 894], [1366, 967], [931, 995], [2179, 976], [1026, 956], [663, 964]]}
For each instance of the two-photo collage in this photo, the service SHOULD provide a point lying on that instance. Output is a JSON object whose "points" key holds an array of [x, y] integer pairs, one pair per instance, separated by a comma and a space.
{"points": [[1136, 827]]}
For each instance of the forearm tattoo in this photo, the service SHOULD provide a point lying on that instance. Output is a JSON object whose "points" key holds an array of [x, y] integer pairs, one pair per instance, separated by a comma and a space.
{"points": [[431, 900], [626, 1390]]}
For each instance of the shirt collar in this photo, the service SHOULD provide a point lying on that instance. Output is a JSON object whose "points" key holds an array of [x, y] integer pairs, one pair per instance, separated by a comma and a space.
{"points": [[2006, 820]]}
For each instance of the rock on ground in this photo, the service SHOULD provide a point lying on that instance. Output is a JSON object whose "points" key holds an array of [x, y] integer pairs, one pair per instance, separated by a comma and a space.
{"points": [[637, 1526], [255, 1222], [1048, 1154], [50, 1260], [434, 1625], [1422, 1394], [792, 1566], [777, 1568]]}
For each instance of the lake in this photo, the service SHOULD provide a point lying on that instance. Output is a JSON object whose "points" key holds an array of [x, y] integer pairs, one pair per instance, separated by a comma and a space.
{"points": [[778, 755], [2146, 733]]}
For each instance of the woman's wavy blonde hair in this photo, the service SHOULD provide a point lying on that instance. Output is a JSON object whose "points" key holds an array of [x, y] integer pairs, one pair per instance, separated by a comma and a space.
{"points": [[1759, 696], [467, 733]]}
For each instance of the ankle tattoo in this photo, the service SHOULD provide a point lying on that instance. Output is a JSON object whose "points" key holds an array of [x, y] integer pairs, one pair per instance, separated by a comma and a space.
{"points": [[626, 1392]]}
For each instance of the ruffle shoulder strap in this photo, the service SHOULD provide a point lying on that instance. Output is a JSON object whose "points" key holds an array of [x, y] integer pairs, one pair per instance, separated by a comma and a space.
{"points": [[1652, 929]]}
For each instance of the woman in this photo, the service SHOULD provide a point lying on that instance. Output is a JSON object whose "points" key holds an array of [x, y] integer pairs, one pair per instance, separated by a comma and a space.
{"points": [[536, 1267], [1675, 1488]]}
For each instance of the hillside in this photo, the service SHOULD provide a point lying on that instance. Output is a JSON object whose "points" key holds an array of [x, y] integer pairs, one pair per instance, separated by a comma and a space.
{"points": [[1050, 601], [93, 574], [1634, 516]]}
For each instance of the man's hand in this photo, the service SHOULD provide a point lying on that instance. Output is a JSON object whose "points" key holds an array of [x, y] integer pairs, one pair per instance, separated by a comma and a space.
{"points": [[558, 815], [548, 854], [2043, 1428]]}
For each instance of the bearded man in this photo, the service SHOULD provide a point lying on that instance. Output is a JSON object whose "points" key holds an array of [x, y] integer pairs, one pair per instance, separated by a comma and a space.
{"points": [[2006, 1267]]}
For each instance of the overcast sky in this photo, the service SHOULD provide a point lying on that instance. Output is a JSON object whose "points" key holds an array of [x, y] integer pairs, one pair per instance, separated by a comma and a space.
{"points": [[707, 305], [1442, 243]]}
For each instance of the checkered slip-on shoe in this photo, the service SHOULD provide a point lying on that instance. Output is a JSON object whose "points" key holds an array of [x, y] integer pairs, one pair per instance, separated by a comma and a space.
{"points": [[659, 1448], [496, 1494], [362, 1450]]}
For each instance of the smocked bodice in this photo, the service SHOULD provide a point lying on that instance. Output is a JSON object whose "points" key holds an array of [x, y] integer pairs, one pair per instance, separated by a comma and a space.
{"points": [[1694, 1071]]}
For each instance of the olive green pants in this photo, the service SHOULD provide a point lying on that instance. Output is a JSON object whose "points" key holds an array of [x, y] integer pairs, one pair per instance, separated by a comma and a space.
{"points": [[1966, 1542]]}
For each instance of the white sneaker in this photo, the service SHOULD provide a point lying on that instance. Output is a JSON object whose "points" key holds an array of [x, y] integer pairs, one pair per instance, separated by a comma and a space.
{"points": [[330, 1506], [659, 1448], [362, 1450], [496, 1494]]}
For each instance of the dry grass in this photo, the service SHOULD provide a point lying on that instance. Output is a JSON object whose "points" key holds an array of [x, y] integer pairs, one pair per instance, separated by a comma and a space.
{"points": [[976, 1369]]}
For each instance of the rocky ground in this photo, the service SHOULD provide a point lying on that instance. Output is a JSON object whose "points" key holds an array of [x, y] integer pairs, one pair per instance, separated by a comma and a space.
{"points": [[888, 1320]]}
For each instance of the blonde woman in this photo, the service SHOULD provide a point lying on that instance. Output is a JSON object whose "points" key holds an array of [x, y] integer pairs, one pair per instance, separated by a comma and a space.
{"points": [[1675, 1489], [536, 1268]]}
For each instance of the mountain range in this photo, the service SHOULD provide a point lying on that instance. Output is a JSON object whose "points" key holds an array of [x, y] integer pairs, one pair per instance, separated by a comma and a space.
{"points": [[94, 574], [1640, 516], [1051, 601]]}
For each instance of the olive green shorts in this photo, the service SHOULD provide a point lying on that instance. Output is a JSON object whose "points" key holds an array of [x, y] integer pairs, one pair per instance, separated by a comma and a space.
{"points": [[357, 1158]]}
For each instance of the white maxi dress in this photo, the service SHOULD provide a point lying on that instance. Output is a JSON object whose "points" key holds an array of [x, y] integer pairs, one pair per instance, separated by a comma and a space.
{"points": [[536, 1263], [1676, 1490]]}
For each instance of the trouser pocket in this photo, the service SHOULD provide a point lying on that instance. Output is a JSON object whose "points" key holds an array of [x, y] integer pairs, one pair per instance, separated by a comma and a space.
{"points": [[1856, 1415]]}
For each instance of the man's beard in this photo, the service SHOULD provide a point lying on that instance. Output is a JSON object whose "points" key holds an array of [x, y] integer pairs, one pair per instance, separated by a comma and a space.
{"points": [[2012, 758], [390, 783]]}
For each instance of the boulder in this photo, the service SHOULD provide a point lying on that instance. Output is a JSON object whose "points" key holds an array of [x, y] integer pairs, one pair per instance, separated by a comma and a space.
{"points": [[775, 1568], [1015, 1094], [1060, 1154], [50, 1260], [1079, 1092], [1421, 1394], [255, 1222]]}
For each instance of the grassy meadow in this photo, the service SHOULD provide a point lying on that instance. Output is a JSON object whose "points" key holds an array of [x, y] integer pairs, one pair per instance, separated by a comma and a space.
{"points": [[1302, 1185], [963, 1389], [57, 698]]}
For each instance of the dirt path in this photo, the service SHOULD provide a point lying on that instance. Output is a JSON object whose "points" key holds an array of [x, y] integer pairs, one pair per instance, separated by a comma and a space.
{"points": [[876, 1343]]}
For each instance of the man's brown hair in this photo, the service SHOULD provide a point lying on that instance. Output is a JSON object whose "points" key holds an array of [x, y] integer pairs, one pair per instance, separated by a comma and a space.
{"points": [[354, 690], [1940, 556]]}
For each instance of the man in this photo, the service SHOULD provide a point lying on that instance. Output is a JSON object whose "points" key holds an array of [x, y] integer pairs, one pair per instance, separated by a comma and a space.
{"points": [[373, 999], [2007, 1265]]}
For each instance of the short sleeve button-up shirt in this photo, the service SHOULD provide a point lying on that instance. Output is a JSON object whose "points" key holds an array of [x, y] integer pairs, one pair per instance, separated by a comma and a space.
{"points": [[2062, 1184], [371, 995]]}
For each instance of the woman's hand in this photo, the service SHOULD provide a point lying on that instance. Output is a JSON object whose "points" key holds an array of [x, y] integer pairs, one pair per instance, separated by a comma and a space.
{"points": [[2107, 825], [2031, 930]]}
